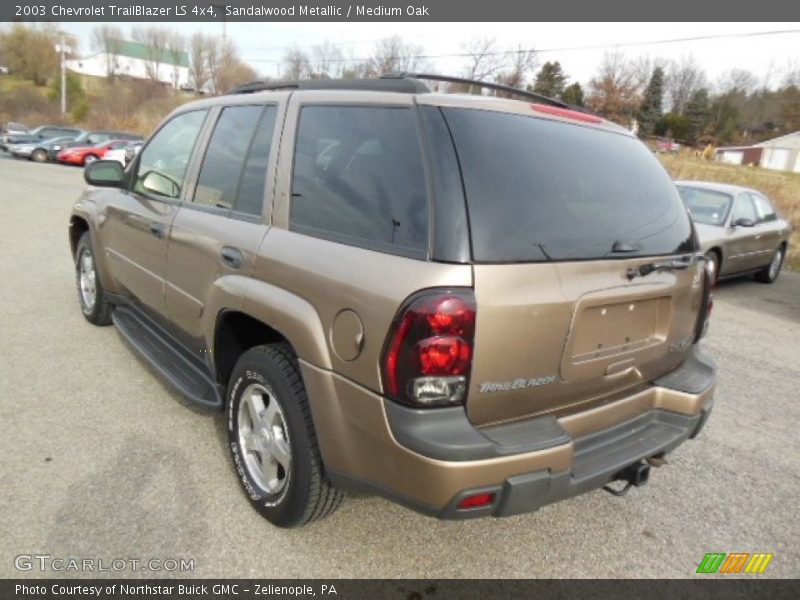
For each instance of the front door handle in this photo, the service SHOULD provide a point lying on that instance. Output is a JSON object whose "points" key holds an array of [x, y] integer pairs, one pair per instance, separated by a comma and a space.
{"points": [[157, 229], [232, 257]]}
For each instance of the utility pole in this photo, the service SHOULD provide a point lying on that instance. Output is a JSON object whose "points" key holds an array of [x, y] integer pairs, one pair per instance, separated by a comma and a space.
{"points": [[63, 76]]}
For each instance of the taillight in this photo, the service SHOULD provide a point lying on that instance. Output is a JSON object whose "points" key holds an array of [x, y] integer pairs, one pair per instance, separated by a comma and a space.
{"points": [[706, 304], [428, 353]]}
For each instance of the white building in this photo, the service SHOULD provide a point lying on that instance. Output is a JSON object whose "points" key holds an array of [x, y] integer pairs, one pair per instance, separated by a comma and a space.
{"points": [[132, 59], [782, 153]]}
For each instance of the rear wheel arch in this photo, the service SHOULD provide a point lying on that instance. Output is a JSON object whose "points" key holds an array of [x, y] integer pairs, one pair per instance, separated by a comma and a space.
{"points": [[235, 333]]}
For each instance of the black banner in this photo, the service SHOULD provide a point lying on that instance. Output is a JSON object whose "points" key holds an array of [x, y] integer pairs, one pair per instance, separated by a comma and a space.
{"points": [[712, 588], [393, 10]]}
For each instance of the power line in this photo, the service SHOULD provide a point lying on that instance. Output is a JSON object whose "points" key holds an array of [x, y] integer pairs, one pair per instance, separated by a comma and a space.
{"points": [[563, 48]]}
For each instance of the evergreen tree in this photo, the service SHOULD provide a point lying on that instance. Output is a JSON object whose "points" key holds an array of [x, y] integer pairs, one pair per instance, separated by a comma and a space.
{"points": [[650, 108], [573, 94], [698, 111], [550, 80]]}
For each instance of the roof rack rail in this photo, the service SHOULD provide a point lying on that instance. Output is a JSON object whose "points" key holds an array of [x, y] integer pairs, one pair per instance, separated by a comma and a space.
{"points": [[484, 84], [394, 84]]}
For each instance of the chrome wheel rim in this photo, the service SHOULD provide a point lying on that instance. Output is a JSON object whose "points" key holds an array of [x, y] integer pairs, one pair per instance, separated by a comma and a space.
{"points": [[87, 280], [775, 265], [89, 159], [264, 439]]}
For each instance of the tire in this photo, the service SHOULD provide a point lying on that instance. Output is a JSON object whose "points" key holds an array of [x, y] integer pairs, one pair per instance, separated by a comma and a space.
{"points": [[39, 155], [269, 417], [91, 296], [712, 259], [770, 273], [89, 159]]}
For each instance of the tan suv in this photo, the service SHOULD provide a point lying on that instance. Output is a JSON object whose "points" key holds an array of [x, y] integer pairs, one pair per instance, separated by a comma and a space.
{"points": [[471, 305]]}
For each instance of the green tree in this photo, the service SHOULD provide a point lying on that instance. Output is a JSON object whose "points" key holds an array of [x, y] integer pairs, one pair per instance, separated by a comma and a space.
{"points": [[698, 111], [30, 53], [550, 80], [650, 109], [674, 126], [573, 94], [76, 96]]}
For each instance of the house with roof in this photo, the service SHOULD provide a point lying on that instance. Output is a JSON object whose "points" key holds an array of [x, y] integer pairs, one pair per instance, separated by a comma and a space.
{"points": [[781, 153], [136, 60]]}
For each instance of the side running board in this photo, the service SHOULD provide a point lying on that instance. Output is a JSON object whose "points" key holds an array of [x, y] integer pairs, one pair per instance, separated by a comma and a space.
{"points": [[184, 371]]}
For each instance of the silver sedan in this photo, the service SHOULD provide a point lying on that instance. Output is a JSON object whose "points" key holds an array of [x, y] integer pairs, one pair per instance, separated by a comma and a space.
{"points": [[739, 229]]}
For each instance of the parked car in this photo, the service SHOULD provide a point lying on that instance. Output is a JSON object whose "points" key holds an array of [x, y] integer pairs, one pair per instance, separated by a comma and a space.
{"points": [[92, 138], [83, 155], [121, 152], [38, 151], [667, 146], [38, 134], [739, 229], [471, 305], [12, 128], [131, 151]]}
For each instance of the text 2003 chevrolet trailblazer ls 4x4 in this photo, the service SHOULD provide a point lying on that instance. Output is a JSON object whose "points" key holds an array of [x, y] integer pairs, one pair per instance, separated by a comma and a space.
{"points": [[470, 305]]}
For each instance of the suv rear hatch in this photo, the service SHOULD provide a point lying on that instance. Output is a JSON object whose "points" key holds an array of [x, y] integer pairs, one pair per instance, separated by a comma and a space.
{"points": [[566, 220]]}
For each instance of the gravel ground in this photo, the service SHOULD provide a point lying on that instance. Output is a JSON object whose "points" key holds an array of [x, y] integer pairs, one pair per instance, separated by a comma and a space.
{"points": [[102, 460]]}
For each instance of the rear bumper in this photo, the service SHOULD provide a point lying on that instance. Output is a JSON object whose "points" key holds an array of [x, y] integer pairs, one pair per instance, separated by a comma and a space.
{"points": [[430, 460]]}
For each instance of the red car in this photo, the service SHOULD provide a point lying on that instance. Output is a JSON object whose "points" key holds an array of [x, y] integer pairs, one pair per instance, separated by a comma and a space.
{"points": [[83, 155]]}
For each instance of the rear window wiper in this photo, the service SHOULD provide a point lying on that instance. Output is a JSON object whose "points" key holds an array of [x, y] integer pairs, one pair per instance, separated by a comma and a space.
{"points": [[644, 270]]}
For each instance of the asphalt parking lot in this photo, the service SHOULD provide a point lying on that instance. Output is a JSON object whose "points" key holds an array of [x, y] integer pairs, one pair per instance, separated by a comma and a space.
{"points": [[100, 459]]}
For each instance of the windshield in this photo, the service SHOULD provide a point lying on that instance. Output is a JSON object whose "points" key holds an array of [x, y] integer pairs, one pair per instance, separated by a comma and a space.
{"points": [[541, 190], [706, 206]]}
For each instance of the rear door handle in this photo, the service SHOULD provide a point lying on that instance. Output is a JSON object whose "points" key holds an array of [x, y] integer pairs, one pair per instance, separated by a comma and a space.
{"points": [[157, 229], [232, 257]]}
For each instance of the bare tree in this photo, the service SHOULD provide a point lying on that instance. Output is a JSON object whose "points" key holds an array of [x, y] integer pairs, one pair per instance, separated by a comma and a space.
{"points": [[485, 60], [520, 66], [326, 61], [393, 55], [107, 39], [684, 78], [176, 52], [155, 40], [225, 68], [737, 81], [613, 91], [296, 64], [198, 62]]}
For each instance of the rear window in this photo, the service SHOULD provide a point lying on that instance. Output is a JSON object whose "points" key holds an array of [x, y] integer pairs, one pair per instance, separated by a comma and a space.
{"points": [[540, 190], [706, 206]]}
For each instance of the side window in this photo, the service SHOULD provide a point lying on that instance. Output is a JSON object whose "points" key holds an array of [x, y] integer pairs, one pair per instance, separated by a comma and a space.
{"points": [[358, 178], [254, 177], [744, 209], [764, 209], [222, 176], [164, 161]]}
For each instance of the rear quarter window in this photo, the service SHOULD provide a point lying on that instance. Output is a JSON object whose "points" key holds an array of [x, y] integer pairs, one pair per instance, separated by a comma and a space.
{"points": [[540, 190], [358, 178]]}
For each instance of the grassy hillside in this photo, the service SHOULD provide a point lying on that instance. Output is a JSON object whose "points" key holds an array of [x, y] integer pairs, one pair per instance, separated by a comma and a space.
{"points": [[781, 187]]}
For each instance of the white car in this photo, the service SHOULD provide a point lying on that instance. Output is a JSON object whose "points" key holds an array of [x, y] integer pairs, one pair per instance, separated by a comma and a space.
{"points": [[118, 154]]}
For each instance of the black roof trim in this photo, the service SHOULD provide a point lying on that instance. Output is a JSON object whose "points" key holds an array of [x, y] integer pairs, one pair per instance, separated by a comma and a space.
{"points": [[485, 84], [401, 85]]}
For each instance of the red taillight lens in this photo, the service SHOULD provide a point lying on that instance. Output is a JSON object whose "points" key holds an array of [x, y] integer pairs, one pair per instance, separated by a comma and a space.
{"points": [[566, 113], [428, 354], [476, 500]]}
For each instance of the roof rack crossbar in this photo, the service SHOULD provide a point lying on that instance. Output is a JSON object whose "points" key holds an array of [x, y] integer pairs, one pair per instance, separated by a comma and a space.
{"points": [[483, 84]]}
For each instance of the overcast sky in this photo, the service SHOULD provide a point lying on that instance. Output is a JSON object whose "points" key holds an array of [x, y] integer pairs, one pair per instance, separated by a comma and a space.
{"points": [[578, 46]]}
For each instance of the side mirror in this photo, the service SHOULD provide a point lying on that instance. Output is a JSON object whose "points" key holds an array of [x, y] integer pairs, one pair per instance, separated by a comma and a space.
{"points": [[104, 173], [744, 223]]}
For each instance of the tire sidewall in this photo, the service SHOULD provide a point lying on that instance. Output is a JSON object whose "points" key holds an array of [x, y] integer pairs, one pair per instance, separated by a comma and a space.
{"points": [[83, 245], [782, 252], [280, 507]]}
